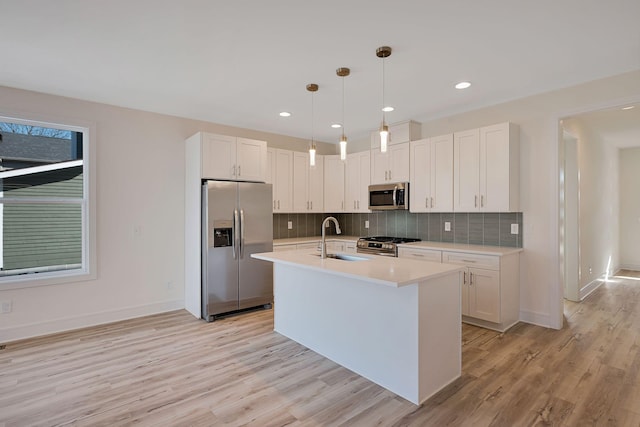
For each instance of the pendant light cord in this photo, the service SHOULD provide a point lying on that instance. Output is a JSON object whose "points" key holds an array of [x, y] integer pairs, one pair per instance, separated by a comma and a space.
{"points": [[343, 107], [383, 116]]}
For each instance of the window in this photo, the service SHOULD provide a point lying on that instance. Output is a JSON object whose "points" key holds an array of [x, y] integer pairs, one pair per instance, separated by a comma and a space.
{"points": [[44, 218]]}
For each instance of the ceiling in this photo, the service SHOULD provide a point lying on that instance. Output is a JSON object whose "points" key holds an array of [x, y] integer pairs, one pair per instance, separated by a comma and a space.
{"points": [[241, 62]]}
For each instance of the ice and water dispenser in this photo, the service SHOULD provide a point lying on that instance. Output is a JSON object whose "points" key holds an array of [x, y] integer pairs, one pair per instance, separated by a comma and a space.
{"points": [[222, 233]]}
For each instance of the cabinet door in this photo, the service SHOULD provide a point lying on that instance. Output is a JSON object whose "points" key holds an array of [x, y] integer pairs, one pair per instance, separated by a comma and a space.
{"points": [[315, 191], [218, 156], [494, 168], [379, 166], [283, 176], [466, 156], [300, 182], [399, 162], [271, 166], [352, 183], [441, 174], [333, 184], [484, 294], [251, 160], [362, 202], [420, 176], [350, 247]]}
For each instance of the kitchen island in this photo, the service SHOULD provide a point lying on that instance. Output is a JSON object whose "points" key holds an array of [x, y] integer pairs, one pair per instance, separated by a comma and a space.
{"points": [[394, 321]]}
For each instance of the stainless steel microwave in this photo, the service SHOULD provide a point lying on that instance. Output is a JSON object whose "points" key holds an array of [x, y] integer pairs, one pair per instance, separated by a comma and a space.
{"points": [[389, 196]]}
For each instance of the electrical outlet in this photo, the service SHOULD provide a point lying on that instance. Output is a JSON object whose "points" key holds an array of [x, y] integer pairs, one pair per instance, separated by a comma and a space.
{"points": [[290, 225], [6, 306], [366, 224], [447, 226], [515, 228]]}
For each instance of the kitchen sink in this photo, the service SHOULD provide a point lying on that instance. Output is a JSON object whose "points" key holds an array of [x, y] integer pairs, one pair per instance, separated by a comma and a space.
{"points": [[344, 257]]}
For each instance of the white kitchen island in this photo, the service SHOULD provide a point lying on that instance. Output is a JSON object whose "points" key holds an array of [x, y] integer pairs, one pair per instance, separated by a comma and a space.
{"points": [[394, 321]]}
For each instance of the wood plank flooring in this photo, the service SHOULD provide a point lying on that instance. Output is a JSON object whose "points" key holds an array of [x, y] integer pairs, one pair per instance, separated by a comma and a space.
{"points": [[174, 370]]}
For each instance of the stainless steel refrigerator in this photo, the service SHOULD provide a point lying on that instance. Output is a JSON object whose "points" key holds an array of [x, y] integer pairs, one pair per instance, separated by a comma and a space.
{"points": [[236, 222]]}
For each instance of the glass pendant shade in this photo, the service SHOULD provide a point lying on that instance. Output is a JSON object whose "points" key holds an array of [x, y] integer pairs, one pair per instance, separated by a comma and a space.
{"points": [[312, 155], [384, 137], [343, 148]]}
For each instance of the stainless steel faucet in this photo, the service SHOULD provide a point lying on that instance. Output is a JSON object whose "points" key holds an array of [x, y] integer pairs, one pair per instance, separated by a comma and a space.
{"points": [[323, 245]]}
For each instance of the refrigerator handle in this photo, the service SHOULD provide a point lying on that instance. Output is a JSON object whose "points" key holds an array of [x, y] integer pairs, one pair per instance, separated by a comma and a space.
{"points": [[236, 225], [241, 233]]}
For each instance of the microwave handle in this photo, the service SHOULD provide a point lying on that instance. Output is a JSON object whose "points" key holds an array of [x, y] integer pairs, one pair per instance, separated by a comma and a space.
{"points": [[395, 191]]}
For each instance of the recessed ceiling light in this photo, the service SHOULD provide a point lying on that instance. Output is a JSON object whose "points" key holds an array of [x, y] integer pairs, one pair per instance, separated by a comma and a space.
{"points": [[387, 109], [463, 85], [285, 114], [629, 107], [336, 125]]}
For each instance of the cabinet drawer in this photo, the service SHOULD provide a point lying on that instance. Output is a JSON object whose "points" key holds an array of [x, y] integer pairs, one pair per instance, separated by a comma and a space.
{"points": [[421, 254], [490, 262]]}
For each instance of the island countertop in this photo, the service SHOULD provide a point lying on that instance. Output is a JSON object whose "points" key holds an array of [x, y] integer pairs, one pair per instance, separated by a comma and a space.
{"points": [[388, 271]]}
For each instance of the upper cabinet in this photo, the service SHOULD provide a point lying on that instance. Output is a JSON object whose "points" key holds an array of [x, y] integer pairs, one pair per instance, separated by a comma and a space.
{"points": [[334, 171], [431, 174], [357, 182], [398, 133], [281, 176], [486, 169], [392, 166], [308, 183], [233, 158]]}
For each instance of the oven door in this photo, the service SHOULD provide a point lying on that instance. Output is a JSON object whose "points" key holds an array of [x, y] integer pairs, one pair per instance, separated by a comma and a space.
{"points": [[389, 196]]}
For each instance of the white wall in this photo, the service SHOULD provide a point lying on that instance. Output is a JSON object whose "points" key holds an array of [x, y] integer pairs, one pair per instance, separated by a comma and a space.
{"points": [[140, 182], [598, 204], [630, 208]]}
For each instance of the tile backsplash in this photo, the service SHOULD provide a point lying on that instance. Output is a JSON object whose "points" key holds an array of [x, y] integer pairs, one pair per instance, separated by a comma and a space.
{"points": [[492, 229]]}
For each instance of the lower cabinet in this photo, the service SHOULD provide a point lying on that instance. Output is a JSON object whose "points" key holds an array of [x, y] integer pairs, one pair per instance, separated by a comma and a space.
{"points": [[490, 285]]}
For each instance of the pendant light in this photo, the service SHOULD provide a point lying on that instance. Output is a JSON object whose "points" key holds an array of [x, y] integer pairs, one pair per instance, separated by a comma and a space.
{"points": [[343, 72], [312, 87], [383, 52]]}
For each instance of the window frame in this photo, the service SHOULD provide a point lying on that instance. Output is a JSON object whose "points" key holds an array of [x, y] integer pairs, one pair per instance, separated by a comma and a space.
{"points": [[88, 270]]}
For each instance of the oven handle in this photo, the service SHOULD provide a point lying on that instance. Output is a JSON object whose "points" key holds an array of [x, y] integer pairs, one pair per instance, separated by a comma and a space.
{"points": [[395, 190]]}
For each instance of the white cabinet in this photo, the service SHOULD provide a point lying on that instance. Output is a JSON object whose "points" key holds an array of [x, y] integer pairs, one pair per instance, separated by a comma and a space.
{"points": [[335, 246], [398, 133], [490, 284], [281, 177], [308, 183], [333, 184], [420, 254], [392, 166], [431, 174], [486, 169], [490, 288], [357, 179], [233, 158], [350, 247]]}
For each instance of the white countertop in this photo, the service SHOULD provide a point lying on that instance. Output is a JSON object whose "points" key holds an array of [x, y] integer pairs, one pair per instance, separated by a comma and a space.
{"points": [[457, 247], [389, 271]]}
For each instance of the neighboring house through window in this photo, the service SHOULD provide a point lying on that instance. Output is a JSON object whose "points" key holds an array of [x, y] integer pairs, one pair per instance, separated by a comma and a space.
{"points": [[43, 201]]}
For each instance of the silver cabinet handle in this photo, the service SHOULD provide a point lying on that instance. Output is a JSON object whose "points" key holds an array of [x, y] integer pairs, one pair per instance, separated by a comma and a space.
{"points": [[239, 170], [426, 202], [432, 202], [274, 205], [389, 175], [342, 204], [311, 204], [354, 204], [278, 204], [358, 205], [482, 201], [475, 201], [233, 170], [307, 205], [418, 255], [464, 277], [469, 261], [385, 175], [470, 278]]}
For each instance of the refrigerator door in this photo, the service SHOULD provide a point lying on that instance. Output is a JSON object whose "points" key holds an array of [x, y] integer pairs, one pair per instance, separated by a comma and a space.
{"points": [[256, 235], [220, 221]]}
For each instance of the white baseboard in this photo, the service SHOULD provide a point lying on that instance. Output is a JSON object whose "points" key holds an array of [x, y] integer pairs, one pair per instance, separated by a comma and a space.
{"points": [[634, 267], [535, 318], [590, 287], [76, 322]]}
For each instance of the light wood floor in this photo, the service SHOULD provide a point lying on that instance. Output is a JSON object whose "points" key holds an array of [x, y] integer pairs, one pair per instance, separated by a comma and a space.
{"points": [[172, 369]]}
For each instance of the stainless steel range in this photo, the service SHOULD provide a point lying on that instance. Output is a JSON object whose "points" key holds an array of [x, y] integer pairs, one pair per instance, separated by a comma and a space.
{"points": [[382, 245]]}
